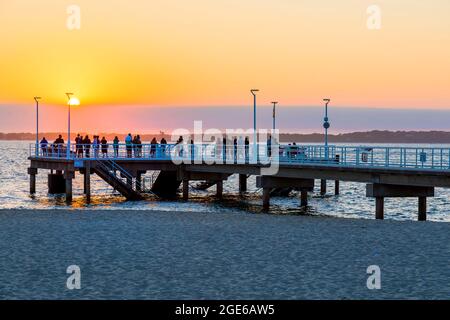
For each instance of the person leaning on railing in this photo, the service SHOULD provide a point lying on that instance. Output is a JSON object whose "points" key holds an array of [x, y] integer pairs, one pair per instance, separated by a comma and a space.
{"points": [[116, 147], [87, 146], [139, 146], [79, 146], [163, 147], [153, 146], [58, 146], [96, 146], [247, 150], [179, 145], [129, 145], [104, 143], [44, 146]]}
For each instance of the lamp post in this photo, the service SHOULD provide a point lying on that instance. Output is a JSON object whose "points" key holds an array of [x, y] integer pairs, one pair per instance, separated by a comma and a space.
{"points": [[255, 136], [69, 103], [37, 125], [326, 125], [274, 114]]}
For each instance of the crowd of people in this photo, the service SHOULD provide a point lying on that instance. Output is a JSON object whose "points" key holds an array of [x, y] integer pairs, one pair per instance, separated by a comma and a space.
{"points": [[55, 148], [99, 148], [237, 148]]}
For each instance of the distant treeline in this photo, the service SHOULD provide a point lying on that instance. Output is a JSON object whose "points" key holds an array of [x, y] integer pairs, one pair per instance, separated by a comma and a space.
{"points": [[373, 137], [354, 137]]}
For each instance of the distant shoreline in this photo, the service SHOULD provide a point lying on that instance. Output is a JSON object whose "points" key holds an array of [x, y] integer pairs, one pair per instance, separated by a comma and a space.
{"points": [[407, 137]]}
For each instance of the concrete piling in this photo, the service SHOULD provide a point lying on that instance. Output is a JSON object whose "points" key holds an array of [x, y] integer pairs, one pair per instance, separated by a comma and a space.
{"points": [[323, 187], [422, 208], [219, 193], [185, 190], [68, 177], [266, 198], [56, 183], [379, 208], [138, 181], [380, 191], [32, 172], [87, 181], [242, 183], [304, 198], [336, 188]]}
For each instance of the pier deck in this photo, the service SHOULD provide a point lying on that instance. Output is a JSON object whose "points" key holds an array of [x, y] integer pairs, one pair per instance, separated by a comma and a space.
{"points": [[388, 172]]}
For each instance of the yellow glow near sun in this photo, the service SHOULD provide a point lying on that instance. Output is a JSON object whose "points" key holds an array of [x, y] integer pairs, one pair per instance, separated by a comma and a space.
{"points": [[74, 101]]}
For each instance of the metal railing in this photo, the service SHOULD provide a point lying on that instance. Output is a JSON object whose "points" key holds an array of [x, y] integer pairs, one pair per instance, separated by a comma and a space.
{"points": [[353, 156], [113, 168]]}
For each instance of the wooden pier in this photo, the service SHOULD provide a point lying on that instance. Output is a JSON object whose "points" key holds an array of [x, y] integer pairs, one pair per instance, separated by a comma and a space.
{"points": [[125, 176]]}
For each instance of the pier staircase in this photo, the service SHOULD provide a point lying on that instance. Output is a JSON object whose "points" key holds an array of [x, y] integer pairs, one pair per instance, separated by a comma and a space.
{"points": [[113, 174]]}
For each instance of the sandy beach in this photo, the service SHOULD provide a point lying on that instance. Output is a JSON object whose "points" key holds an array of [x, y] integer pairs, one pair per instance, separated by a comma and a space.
{"points": [[160, 255]]}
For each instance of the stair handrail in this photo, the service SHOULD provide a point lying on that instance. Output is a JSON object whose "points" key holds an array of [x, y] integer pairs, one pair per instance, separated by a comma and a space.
{"points": [[114, 166]]}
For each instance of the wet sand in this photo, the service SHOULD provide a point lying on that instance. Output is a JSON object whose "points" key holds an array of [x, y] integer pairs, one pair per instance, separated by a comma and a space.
{"points": [[161, 255]]}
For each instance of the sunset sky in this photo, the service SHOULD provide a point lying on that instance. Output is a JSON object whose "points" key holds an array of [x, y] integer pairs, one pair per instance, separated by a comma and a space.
{"points": [[160, 54]]}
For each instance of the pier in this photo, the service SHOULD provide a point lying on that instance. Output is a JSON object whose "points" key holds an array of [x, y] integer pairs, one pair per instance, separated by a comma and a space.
{"points": [[388, 172]]}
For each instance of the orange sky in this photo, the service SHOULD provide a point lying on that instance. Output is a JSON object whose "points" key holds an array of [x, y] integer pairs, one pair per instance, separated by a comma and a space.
{"points": [[203, 52]]}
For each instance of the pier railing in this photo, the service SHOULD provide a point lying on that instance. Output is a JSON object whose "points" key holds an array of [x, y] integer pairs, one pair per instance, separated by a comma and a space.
{"points": [[354, 156]]}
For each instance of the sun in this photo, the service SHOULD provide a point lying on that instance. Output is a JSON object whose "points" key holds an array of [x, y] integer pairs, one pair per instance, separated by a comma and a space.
{"points": [[74, 101]]}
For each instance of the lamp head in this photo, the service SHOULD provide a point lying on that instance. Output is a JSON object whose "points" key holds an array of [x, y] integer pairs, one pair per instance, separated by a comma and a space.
{"points": [[253, 91], [37, 99], [73, 101]]}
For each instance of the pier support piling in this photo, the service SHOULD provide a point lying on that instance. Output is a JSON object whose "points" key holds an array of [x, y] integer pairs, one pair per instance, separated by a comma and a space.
{"points": [[68, 177], [379, 208], [166, 185], [208, 178], [242, 183], [56, 183], [380, 191], [422, 209], [336, 188], [219, 189], [87, 181], [32, 172], [266, 198], [138, 181], [323, 187], [69, 190], [304, 198], [185, 190], [268, 183]]}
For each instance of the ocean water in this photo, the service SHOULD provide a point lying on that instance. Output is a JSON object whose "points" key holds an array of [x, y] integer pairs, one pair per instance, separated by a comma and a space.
{"points": [[351, 203]]}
